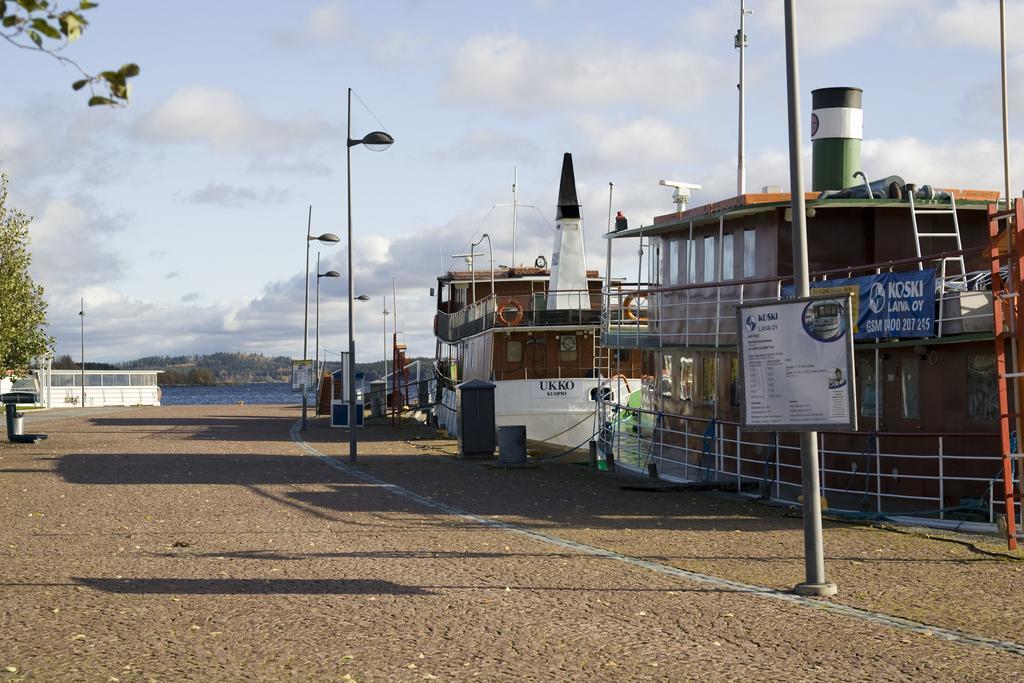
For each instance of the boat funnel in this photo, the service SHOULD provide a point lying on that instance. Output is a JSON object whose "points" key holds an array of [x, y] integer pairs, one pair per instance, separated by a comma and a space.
{"points": [[568, 204], [567, 285], [837, 129]]}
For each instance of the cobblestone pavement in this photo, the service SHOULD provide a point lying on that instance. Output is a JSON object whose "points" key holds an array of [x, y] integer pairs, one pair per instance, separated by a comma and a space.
{"points": [[201, 543]]}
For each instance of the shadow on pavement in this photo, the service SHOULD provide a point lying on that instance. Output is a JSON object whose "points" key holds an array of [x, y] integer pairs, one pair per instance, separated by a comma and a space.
{"points": [[185, 468], [250, 586], [226, 428]]}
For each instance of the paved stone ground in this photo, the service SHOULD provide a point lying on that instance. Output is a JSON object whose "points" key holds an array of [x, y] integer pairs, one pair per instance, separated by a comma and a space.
{"points": [[200, 543]]}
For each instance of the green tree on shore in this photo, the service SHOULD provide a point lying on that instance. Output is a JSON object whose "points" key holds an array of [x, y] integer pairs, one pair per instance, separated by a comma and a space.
{"points": [[22, 306]]}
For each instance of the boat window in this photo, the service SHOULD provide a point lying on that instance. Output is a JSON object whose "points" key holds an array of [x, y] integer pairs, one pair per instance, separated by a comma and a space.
{"points": [[686, 378], [139, 379], [93, 380], [691, 261], [727, 258], [749, 262], [673, 262], [982, 390], [709, 258], [567, 347], [734, 381], [116, 380], [666, 374], [869, 392], [514, 351], [909, 382], [62, 380], [708, 375]]}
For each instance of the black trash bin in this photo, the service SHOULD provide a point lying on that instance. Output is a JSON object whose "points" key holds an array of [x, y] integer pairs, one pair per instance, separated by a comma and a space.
{"points": [[476, 419], [15, 420]]}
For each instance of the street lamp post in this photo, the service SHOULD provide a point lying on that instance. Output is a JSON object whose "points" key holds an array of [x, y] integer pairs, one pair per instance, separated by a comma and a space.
{"points": [[81, 315], [326, 238], [316, 348], [385, 318], [814, 557], [375, 142]]}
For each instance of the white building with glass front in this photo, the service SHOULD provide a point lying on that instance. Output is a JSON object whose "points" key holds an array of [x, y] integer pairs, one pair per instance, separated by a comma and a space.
{"points": [[63, 388]]}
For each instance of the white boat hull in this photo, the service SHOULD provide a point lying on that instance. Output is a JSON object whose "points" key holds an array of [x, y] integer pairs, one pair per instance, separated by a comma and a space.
{"points": [[555, 412]]}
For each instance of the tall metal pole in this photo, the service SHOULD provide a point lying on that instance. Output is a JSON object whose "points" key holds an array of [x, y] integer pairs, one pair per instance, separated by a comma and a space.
{"points": [[385, 319], [305, 317], [81, 314], [1006, 114], [1009, 204], [741, 44], [515, 205], [351, 293], [316, 347], [606, 302], [814, 557], [398, 372]]}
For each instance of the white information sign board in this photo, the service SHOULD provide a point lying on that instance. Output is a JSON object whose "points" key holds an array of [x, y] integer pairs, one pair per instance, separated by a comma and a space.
{"points": [[796, 365], [302, 375]]}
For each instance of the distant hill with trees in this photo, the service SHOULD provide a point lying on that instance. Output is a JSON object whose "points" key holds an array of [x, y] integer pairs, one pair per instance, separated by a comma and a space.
{"points": [[232, 368]]}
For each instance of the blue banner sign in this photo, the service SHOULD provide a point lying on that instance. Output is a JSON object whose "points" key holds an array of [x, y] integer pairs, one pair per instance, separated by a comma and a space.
{"points": [[887, 305]]}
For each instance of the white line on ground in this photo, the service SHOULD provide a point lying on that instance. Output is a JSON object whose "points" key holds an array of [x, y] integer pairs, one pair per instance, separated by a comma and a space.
{"points": [[949, 634]]}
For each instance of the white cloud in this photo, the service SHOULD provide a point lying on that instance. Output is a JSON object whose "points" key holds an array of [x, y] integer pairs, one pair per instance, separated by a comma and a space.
{"points": [[976, 23], [645, 139], [324, 24], [974, 164], [507, 71], [824, 25], [491, 145], [71, 243], [223, 121], [398, 48], [220, 194]]}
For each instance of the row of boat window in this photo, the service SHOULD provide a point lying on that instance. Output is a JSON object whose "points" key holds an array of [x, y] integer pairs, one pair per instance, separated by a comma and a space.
{"points": [[675, 271], [134, 379]]}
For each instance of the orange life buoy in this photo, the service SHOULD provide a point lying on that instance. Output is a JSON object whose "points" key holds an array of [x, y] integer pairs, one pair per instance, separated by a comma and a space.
{"points": [[625, 380], [516, 317]]}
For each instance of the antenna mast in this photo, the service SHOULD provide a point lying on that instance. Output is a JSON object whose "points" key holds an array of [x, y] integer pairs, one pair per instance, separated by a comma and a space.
{"points": [[515, 205], [741, 44]]}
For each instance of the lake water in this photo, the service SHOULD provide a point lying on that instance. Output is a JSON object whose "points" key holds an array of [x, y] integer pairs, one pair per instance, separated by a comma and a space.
{"points": [[233, 394]]}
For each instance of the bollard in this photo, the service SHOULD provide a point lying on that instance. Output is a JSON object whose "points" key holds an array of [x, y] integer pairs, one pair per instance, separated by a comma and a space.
{"points": [[610, 461], [593, 454]]}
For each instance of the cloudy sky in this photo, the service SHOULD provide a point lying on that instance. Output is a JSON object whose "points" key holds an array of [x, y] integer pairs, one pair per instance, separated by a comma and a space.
{"points": [[181, 218]]}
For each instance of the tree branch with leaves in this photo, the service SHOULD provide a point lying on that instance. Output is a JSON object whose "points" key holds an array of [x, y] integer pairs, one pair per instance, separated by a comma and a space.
{"points": [[42, 26]]}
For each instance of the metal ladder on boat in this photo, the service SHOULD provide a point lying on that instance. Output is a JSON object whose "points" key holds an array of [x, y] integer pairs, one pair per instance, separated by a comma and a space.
{"points": [[959, 275], [602, 357], [1005, 247]]}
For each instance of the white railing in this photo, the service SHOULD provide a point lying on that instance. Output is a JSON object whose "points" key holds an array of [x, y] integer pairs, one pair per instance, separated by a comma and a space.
{"points": [[947, 476], [704, 314], [525, 309]]}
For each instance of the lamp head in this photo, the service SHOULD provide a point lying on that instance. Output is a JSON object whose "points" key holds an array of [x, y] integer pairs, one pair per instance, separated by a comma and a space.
{"points": [[326, 238], [377, 141], [362, 297], [329, 273]]}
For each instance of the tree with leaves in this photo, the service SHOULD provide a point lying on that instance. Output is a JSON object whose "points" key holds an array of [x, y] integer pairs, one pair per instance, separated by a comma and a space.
{"points": [[42, 26], [23, 335]]}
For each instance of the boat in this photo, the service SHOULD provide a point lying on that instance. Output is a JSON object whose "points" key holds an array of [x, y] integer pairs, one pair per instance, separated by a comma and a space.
{"points": [[533, 333], [933, 280]]}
